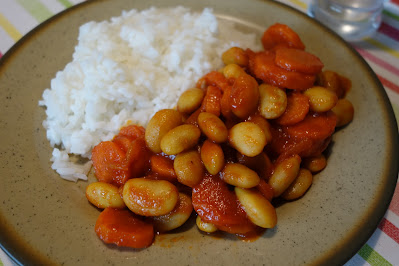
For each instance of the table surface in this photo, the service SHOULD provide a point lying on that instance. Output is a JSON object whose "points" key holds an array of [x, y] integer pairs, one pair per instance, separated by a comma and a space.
{"points": [[18, 17]]}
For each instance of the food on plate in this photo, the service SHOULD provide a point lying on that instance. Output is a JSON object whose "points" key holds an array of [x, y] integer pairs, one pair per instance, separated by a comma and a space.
{"points": [[126, 69], [251, 132]]}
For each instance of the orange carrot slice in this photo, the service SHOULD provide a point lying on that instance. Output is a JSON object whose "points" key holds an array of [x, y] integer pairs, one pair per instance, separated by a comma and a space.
{"points": [[298, 60], [262, 65], [281, 35], [297, 109], [123, 228], [109, 163], [211, 101]]}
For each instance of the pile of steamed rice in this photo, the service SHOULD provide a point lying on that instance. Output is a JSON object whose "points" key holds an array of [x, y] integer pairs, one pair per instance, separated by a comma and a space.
{"points": [[125, 70]]}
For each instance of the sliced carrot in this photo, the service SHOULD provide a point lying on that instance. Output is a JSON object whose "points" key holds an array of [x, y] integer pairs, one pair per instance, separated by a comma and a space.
{"points": [[123, 228], [282, 35], [216, 203], [132, 131], [283, 145], [262, 65], [137, 159], [216, 79], [122, 141], [297, 109], [260, 163], [109, 163], [335, 82], [211, 101], [163, 167], [298, 60], [225, 105], [265, 189], [346, 85], [193, 118], [127, 134], [316, 126], [244, 96]]}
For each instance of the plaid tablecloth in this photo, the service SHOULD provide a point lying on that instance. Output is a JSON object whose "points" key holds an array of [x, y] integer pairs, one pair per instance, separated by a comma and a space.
{"points": [[18, 17]]}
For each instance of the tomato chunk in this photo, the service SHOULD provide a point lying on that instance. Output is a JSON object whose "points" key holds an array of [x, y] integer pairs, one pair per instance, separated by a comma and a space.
{"points": [[123, 228], [262, 65], [216, 204], [281, 35], [298, 60]]}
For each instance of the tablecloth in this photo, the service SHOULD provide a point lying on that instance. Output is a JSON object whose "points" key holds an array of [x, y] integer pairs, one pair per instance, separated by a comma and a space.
{"points": [[18, 17]]}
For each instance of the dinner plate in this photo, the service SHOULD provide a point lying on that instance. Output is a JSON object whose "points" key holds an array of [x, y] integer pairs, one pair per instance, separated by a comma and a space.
{"points": [[47, 220]]}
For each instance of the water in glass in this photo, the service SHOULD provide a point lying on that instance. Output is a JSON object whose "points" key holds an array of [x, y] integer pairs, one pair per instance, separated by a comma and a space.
{"points": [[352, 19]]}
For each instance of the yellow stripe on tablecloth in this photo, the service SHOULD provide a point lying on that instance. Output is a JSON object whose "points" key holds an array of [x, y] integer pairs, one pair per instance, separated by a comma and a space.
{"points": [[300, 4], [382, 47], [9, 28]]}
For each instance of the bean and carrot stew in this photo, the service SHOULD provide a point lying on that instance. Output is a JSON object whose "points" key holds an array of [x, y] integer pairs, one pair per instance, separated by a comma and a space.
{"points": [[247, 134]]}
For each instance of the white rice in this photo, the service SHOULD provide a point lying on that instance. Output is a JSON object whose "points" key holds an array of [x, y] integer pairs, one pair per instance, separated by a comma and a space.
{"points": [[128, 68]]}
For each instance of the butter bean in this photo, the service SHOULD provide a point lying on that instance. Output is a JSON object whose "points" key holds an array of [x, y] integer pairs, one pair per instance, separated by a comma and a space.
{"points": [[259, 210], [177, 217], [180, 138], [162, 121], [248, 138], [284, 174], [212, 156], [240, 176], [204, 226], [273, 101], [190, 100], [299, 186], [189, 168], [212, 127], [103, 195], [148, 197]]}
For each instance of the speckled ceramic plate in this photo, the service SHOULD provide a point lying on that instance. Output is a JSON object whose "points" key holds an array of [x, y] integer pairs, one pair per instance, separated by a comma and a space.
{"points": [[46, 220]]}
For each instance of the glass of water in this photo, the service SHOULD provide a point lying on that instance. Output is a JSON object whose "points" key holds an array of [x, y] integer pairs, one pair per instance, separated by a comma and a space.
{"points": [[352, 19]]}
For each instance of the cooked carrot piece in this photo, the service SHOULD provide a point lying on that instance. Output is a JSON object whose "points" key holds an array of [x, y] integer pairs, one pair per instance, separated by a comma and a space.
{"points": [[109, 163], [284, 145], [317, 126], [215, 78], [211, 101], [335, 82], [137, 158], [262, 65], [346, 85], [298, 60], [132, 131], [225, 105], [122, 141], [123, 228], [193, 118], [127, 134], [310, 137], [265, 189], [163, 167], [281, 35], [215, 203], [244, 96], [297, 109]]}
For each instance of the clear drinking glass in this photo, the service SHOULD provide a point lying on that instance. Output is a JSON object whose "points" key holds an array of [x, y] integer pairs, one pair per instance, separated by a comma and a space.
{"points": [[352, 19]]}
